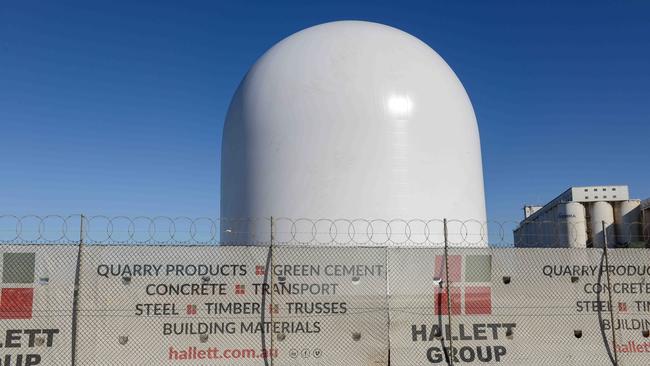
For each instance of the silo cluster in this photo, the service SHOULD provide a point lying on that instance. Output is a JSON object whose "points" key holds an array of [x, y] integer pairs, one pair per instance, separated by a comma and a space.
{"points": [[587, 217]]}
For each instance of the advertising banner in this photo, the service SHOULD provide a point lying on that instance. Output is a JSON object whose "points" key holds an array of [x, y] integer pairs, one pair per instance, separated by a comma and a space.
{"points": [[508, 306], [36, 299], [292, 305], [172, 305], [232, 306], [629, 274], [339, 296]]}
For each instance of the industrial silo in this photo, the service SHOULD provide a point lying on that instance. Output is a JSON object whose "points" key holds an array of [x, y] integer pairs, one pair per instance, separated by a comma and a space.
{"points": [[349, 120], [572, 225], [598, 212], [627, 215], [645, 220]]}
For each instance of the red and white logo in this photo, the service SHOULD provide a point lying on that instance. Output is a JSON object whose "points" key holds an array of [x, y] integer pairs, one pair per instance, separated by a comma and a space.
{"points": [[469, 285], [16, 300]]}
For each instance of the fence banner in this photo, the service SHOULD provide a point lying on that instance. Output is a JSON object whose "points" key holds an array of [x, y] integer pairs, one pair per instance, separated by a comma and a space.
{"points": [[163, 305], [313, 305], [629, 271], [232, 305], [508, 306], [339, 297], [36, 299]]}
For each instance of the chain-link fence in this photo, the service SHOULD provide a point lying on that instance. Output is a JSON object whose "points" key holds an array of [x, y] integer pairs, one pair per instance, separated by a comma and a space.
{"points": [[115, 291]]}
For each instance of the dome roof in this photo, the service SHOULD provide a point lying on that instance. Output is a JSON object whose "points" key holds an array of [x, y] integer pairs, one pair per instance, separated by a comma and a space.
{"points": [[351, 119]]}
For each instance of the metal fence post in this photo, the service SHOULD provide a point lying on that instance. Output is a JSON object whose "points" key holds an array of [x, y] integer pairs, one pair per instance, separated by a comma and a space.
{"points": [[449, 310], [387, 294], [272, 308], [609, 294], [75, 294]]}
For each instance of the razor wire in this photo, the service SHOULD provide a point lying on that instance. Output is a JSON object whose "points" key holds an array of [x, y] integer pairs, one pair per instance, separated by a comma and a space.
{"points": [[164, 230]]}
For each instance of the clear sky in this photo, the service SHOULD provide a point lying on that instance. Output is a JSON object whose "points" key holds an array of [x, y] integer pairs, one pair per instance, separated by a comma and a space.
{"points": [[116, 108]]}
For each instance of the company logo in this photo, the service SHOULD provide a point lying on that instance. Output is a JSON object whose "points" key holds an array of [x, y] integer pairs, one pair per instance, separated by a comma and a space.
{"points": [[469, 285], [16, 301], [567, 216]]}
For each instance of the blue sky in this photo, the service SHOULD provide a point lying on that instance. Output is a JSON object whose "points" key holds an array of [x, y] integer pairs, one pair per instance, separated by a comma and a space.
{"points": [[116, 108]]}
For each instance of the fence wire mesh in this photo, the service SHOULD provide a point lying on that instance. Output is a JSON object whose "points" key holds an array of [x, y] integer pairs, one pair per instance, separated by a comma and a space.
{"points": [[117, 291]]}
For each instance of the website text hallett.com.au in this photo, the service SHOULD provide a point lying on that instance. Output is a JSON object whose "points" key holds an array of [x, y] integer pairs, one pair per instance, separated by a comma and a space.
{"points": [[214, 353]]}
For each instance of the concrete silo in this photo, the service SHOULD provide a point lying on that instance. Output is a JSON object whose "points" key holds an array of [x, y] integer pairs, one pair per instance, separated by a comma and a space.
{"points": [[572, 225], [575, 219], [600, 212], [628, 224], [350, 120], [645, 221]]}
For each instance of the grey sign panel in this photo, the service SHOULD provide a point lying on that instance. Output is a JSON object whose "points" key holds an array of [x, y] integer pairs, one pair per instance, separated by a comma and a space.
{"points": [[18, 267]]}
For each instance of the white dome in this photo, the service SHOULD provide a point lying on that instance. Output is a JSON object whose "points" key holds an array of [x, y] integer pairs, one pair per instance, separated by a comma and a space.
{"points": [[351, 119]]}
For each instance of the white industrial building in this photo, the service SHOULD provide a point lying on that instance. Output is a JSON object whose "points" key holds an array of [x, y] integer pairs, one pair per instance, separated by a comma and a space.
{"points": [[575, 219]]}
